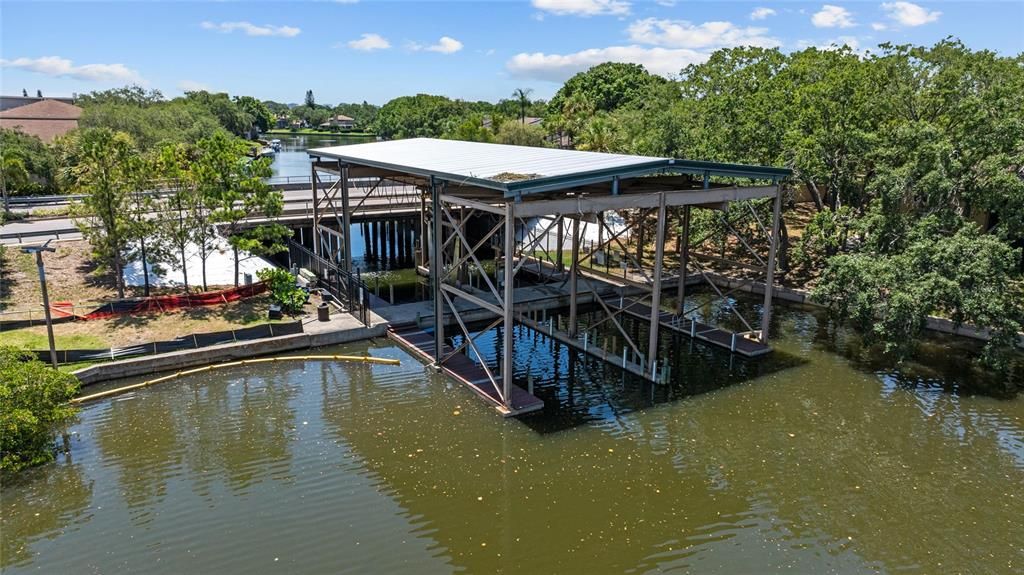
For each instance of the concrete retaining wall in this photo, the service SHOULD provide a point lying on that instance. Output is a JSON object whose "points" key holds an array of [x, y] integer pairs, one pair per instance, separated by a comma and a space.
{"points": [[178, 360]]}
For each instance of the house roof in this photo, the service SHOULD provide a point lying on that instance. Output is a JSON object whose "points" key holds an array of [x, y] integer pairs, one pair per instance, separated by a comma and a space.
{"points": [[343, 118], [43, 110], [519, 170]]}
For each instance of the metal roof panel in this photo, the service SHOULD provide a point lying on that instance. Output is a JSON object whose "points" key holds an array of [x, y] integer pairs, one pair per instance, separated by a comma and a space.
{"points": [[545, 169]]}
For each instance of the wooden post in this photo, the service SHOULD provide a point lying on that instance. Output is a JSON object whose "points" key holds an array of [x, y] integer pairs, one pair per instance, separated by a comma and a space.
{"points": [[769, 280], [659, 254]]}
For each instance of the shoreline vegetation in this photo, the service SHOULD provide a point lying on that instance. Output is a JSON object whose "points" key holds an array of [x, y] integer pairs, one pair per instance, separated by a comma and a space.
{"points": [[315, 132], [907, 199]]}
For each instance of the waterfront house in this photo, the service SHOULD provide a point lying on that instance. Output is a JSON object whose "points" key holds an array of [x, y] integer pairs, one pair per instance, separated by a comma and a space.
{"points": [[45, 118]]}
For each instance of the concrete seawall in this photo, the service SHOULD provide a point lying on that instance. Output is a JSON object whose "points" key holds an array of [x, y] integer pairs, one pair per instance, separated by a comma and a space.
{"points": [[341, 329]]}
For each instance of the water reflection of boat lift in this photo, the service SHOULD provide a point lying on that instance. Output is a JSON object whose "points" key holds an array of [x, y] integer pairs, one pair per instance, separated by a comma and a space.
{"points": [[510, 186]]}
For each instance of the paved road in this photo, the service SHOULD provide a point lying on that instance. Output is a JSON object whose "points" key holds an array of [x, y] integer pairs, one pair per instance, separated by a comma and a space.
{"points": [[297, 209]]}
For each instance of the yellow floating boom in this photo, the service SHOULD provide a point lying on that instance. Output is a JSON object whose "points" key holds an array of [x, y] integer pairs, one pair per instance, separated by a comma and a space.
{"points": [[360, 358]]}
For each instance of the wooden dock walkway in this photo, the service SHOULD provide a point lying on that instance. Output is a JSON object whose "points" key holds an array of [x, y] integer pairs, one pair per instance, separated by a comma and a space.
{"points": [[723, 338], [464, 370]]}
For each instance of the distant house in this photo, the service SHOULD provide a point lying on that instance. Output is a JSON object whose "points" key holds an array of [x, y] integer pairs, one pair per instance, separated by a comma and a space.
{"points": [[281, 121], [341, 122], [8, 102], [45, 118]]}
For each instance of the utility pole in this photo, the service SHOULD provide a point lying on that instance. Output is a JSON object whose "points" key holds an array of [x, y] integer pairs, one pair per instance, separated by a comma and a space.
{"points": [[38, 250]]}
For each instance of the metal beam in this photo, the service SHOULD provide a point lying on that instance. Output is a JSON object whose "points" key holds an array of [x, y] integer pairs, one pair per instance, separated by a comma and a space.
{"points": [[769, 282], [659, 255], [509, 303], [316, 209], [574, 272], [346, 217], [435, 271], [684, 257], [593, 204], [476, 300], [478, 205]]}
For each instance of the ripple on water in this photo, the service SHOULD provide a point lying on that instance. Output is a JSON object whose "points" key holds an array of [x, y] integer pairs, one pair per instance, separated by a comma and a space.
{"points": [[807, 466]]}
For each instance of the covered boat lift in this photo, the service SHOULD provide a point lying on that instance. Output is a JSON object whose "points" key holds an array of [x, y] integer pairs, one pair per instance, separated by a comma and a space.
{"points": [[568, 190]]}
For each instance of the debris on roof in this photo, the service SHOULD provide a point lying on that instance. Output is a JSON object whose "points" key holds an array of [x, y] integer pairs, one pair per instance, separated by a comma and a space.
{"points": [[513, 177]]}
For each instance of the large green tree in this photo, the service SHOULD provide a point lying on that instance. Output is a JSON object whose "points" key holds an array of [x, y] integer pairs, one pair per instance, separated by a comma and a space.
{"points": [[419, 116], [234, 190], [33, 406], [102, 165]]}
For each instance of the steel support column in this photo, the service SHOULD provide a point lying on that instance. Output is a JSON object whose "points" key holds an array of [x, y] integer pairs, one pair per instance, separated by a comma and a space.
{"points": [[346, 217], [559, 264], [422, 261], [659, 255], [769, 281], [574, 275], [509, 303], [436, 271], [684, 259], [316, 208]]}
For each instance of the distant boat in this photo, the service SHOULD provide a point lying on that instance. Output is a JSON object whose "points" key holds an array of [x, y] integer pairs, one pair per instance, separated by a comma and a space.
{"points": [[267, 152], [276, 144]]}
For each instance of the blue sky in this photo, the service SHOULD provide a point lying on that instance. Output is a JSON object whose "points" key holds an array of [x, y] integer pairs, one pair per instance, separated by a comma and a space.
{"points": [[374, 51]]}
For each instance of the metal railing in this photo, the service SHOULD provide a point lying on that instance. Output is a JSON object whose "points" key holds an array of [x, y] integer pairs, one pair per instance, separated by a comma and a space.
{"points": [[16, 200], [346, 288]]}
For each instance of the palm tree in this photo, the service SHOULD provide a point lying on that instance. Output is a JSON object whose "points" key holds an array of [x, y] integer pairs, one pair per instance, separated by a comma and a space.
{"points": [[523, 95]]}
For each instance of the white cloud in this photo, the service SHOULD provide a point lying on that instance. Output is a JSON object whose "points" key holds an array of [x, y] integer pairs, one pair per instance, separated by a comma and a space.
{"points": [[251, 29], [445, 45], [909, 14], [193, 86], [62, 67], [583, 7], [666, 3], [833, 17], [682, 34], [761, 13], [560, 67], [370, 42], [879, 26]]}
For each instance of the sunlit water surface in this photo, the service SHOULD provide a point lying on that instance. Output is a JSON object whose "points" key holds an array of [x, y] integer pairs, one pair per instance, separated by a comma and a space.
{"points": [[806, 461]]}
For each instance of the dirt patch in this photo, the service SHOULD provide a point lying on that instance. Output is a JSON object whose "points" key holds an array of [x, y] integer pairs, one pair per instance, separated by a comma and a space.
{"points": [[144, 328], [71, 276]]}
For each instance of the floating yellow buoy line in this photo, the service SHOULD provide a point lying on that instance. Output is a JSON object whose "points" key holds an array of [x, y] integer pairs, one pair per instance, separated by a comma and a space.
{"points": [[360, 358]]}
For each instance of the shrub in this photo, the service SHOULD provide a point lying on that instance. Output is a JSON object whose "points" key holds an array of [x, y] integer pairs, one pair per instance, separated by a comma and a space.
{"points": [[33, 404], [283, 289]]}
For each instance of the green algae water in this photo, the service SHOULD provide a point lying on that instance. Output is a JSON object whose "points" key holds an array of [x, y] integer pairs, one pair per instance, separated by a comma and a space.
{"points": [[822, 458]]}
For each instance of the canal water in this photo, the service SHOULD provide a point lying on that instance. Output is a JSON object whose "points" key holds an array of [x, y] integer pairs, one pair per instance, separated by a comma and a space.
{"points": [[293, 161], [823, 458]]}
